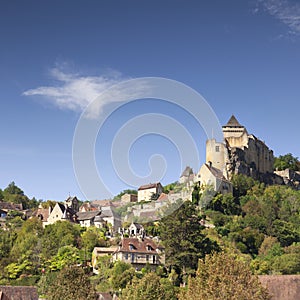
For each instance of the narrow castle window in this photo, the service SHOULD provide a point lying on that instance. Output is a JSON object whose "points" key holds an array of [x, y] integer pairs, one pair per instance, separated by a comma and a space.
{"points": [[217, 148]]}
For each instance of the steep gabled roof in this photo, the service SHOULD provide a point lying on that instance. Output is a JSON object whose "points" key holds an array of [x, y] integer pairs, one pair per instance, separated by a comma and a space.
{"points": [[138, 245], [149, 186], [216, 172], [42, 213], [233, 122], [61, 206], [88, 215], [108, 212]]}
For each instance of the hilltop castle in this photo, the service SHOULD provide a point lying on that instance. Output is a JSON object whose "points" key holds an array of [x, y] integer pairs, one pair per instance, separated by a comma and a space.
{"points": [[239, 153]]}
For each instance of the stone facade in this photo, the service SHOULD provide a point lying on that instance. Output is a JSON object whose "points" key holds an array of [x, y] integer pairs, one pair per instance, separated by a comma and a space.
{"points": [[240, 153], [210, 176], [127, 198], [145, 192], [139, 252]]}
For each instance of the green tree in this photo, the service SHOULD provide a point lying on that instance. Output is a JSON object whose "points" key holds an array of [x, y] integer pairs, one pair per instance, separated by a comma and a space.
{"points": [[27, 238], [225, 204], [241, 184], [170, 187], [196, 195], [247, 240], [57, 235], [12, 193], [13, 189], [121, 274], [150, 287], [221, 276], [183, 239], [287, 161], [72, 283], [91, 238], [67, 255], [286, 264], [104, 266], [7, 238]]}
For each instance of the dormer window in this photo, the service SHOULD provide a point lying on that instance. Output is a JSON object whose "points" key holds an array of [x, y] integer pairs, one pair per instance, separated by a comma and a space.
{"points": [[131, 247], [149, 248]]}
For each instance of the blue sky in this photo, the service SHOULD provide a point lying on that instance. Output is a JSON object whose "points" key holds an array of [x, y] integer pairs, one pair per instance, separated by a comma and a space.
{"points": [[243, 57]]}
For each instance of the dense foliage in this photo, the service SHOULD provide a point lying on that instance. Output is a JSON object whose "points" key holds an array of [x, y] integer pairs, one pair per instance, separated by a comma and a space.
{"points": [[184, 238], [259, 224], [287, 161], [13, 194], [72, 283], [221, 276]]}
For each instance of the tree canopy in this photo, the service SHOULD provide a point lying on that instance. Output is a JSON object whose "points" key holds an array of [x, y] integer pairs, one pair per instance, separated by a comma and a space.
{"points": [[287, 161], [150, 287], [72, 283], [185, 243], [221, 276]]}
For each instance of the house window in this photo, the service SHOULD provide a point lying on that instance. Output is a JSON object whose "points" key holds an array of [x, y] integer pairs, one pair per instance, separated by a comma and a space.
{"points": [[132, 257], [154, 259], [126, 256], [217, 148], [147, 258]]}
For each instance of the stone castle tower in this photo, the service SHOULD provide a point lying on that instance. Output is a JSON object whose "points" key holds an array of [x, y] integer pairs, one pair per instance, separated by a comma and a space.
{"points": [[240, 153]]}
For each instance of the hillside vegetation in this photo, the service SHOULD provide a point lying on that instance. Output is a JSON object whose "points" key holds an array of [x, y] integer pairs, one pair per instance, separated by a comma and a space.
{"points": [[258, 225]]}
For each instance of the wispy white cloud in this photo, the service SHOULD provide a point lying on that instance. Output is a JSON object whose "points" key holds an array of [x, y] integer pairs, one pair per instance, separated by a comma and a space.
{"points": [[73, 91], [287, 12]]}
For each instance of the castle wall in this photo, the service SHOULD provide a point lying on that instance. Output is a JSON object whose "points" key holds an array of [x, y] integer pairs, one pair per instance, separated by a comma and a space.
{"points": [[241, 153], [236, 137], [216, 153], [259, 156]]}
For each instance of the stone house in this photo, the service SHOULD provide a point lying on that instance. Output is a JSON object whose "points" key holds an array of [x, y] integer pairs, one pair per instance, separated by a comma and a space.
{"points": [[127, 198], [63, 212], [43, 214], [87, 219], [108, 217], [145, 192], [139, 252], [210, 176]]}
